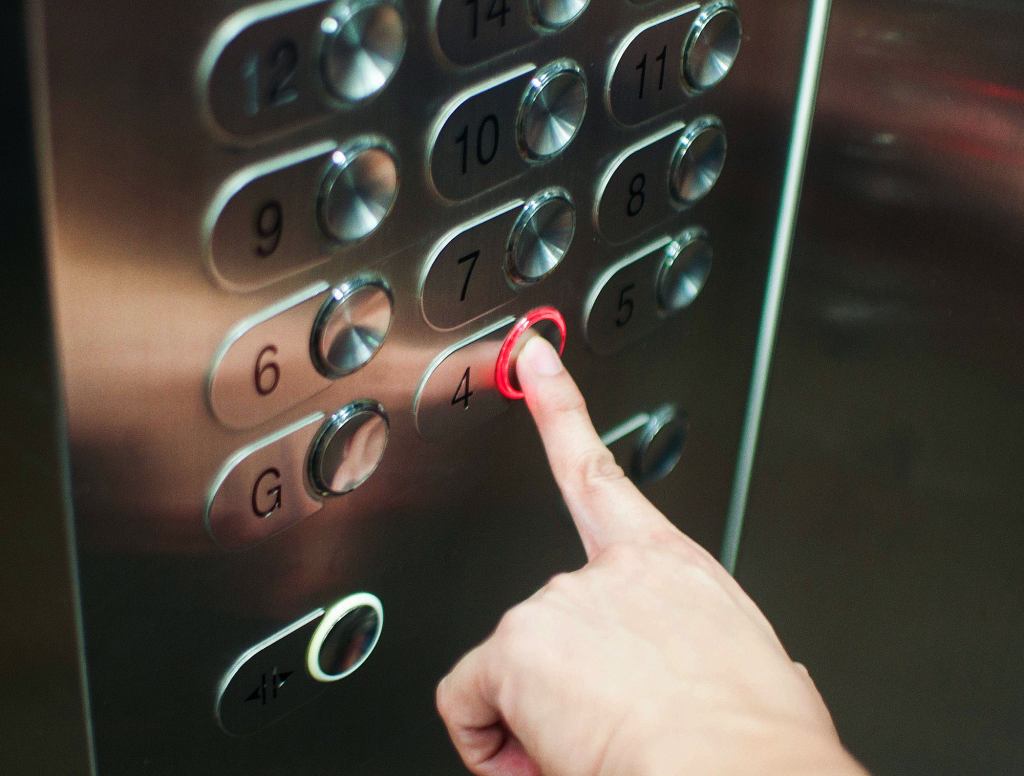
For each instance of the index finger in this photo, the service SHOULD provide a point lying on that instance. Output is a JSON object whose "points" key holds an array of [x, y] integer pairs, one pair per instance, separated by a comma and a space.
{"points": [[605, 505]]}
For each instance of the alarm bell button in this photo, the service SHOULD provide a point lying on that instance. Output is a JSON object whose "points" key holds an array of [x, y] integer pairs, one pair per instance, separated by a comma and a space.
{"points": [[546, 322]]}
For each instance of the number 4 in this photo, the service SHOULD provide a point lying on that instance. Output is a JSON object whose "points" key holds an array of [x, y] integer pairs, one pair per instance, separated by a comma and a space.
{"points": [[462, 393], [498, 10]]}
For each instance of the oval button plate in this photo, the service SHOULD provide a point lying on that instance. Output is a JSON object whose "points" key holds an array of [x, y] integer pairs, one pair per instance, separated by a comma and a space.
{"points": [[458, 391], [262, 70], [473, 147], [262, 489], [264, 367], [624, 304], [645, 79], [465, 277], [634, 193], [263, 223]]}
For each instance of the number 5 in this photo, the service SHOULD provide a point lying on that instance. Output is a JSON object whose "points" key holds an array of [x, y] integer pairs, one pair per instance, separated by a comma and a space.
{"points": [[625, 306]]}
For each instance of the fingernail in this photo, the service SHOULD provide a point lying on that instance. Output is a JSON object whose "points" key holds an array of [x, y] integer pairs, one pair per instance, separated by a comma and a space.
{"points": [[540, 357]]}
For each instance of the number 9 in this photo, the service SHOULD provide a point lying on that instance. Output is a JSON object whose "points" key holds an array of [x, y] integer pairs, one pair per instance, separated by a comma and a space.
{"points": [[269, 225]]}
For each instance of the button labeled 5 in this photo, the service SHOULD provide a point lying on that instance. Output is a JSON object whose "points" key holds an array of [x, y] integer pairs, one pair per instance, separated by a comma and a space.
{"points": [[633, 297]]}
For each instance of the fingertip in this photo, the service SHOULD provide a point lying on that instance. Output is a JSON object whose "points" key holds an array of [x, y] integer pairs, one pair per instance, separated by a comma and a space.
{"points": [[537, 361]]}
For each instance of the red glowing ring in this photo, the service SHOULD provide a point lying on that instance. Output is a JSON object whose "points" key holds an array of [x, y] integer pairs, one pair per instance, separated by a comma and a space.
{"points": [[502, 376]]}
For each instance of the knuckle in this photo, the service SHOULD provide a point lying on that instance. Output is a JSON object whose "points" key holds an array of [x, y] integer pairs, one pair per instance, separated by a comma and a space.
{"points": [[563, 585], [568, 400], [513, 626], [622, 558], [442, 698], [595, 469]]}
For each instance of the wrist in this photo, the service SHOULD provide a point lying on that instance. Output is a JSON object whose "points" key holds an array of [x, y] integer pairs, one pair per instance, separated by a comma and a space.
{"points": [[770, 750]]}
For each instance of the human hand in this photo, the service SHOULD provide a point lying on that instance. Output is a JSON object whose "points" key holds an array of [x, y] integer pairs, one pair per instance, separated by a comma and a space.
{"points": [[648, 661]]}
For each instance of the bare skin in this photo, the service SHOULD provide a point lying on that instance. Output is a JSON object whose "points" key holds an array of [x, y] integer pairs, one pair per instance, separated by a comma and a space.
{"points": [[648, 661]]}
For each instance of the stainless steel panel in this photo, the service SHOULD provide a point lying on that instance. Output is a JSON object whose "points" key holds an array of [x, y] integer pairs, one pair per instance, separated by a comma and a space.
{"points": [[452, 529], [44, 724], [885, 528]]}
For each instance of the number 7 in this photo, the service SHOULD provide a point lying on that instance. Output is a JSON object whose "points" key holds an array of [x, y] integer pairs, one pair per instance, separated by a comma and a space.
{"points": [[471, 258]]}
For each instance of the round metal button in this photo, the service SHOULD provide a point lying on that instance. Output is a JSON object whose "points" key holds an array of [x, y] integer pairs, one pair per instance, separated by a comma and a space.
{"points": [[552, 110], [546, 322], [345, 637], [698, 160], [541, 236], [660, 445], [363, 44], [555, 14], [358, 191], [351, 326], [712, 45], [684, 270], [349, 448]]}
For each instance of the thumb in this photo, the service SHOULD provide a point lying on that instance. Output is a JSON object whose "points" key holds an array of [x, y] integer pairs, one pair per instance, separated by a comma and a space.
{"points": [[606, 507]]}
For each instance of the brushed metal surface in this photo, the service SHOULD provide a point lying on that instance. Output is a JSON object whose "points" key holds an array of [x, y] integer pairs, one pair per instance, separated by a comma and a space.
{"points": [[541, 237], [445, 530], [552, 110], [885, 527]]}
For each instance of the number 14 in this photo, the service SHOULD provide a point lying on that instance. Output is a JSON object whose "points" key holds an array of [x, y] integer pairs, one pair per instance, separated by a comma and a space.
{"points": [[497, 11]]}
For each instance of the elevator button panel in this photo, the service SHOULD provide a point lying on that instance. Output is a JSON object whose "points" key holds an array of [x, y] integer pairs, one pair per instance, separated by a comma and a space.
{"points": [[276, 66], [493, 132], [655, 179], [262, 489], [546, 322], [649, 445], [472, 31], [458, 392], [349, 448], [661, 63], [633, 297], [712, 45], [541, 237], [264, 367], [465, 274], [344, 638], [363, 45], [351, 326], [292, 667], [270, 680], [358, 190], [552, 110]]}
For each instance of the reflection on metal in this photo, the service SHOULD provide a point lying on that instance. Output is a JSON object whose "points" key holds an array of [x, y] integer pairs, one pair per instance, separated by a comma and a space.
{"points": [[349, 448], [362, 48], [782, 244], [351, 326], [541, 236], [712, 46], [552, 110], [699, 160]]}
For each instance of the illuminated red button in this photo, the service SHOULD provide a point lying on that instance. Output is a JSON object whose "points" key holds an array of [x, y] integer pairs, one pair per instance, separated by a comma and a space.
{"points": [[548, 323]]}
